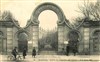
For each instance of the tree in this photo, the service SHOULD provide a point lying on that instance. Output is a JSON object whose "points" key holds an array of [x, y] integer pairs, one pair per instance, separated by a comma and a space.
{"points": [[90, 10]]}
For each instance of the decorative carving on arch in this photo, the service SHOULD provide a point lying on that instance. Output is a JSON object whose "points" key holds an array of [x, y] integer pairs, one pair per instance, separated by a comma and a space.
{"points": [[20, 31], [95, 32], [48, 6], [92, 32]]}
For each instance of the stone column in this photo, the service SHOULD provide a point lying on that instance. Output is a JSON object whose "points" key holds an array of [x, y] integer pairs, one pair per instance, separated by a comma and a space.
{"points": [[86, 40], [60, 38], [1, 44], [30, 45], [15, 38], [66, 39], [9, 39], [81, 41], [4, 45], [91, 45], [35, 37]]}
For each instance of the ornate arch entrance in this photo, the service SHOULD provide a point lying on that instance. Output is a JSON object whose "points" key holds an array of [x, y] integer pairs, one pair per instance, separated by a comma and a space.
{"points": [[74, 38], [96, 42], [22, 41], [60, 23], [22, 38]]}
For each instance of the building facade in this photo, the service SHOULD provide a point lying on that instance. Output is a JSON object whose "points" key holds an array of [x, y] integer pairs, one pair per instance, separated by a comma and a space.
{"points": [[88, 32]]}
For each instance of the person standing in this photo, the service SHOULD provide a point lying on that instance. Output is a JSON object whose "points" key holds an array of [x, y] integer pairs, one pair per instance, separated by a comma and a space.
{"points": [[14, 52], [24, 52], [67, 49], [75, 48], [34, 52]]}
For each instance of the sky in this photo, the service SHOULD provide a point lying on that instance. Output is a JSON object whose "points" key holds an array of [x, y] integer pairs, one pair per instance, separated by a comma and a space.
{"points": [[22, 10]]}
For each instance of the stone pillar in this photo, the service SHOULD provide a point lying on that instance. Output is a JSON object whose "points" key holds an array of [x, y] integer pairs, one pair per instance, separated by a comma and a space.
{"points": [[60, 38], [86, 40], [91, 46], [30, 45], [81, 41], [66, 39], [15, 40], [1, 44], [9, 39], [4, 45], [35, 37], [81, 47]]}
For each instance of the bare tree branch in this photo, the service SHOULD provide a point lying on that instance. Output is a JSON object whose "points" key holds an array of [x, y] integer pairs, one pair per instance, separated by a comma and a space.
{"points": [[90, 10]]}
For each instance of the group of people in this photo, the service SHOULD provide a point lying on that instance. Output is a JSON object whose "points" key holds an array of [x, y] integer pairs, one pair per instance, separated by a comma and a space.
{"points": [[24, 53], [71, 47]]}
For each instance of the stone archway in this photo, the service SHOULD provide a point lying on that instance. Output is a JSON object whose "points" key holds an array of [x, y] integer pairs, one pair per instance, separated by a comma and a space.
{"points": [[22, 38], [22, 41], [48, 6], [60, 23], [74, 37]]}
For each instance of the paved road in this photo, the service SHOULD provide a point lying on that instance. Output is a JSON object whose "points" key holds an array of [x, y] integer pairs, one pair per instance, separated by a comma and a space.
{"points": [[48, 53], [55, 58]]}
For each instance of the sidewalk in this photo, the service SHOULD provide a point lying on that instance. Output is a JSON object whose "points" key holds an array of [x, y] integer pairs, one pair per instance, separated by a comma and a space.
{"points": [[56, 58]]}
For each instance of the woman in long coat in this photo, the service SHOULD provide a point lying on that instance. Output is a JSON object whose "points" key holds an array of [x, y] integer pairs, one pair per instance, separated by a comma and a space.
{"points": [[24, 52], [34, 52], [14, 52], [67, 49]]}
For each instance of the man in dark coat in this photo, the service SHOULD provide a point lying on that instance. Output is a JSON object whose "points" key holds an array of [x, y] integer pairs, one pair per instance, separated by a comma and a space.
{"points": [[74, 51], [24, 52], [67, 50], [14, 52], [34, 52], [75, 47]]}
